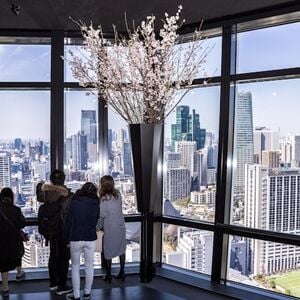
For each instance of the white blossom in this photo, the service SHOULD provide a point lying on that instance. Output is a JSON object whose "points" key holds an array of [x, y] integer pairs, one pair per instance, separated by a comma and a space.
{"points": [[140, 75]]}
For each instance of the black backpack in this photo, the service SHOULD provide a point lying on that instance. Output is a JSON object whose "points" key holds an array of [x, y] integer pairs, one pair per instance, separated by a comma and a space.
{"points": [[50, 219]]}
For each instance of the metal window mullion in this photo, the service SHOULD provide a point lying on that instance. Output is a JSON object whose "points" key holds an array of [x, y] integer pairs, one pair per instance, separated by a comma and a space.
{"points": [[57, 100], [226, 124]]}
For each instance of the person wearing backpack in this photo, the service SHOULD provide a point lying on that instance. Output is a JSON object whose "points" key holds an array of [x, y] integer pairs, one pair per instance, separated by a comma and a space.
{"points": [[80, 229], [55, 198]]}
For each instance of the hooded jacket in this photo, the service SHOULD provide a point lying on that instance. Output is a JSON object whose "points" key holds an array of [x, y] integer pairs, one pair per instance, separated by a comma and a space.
{"points": [[58, 195]]}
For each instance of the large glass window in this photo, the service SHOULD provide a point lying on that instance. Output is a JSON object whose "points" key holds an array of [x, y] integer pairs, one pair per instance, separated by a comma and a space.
{"points": [[81, 161], [24, 144], [266, 178], [25, 60], [269, 48], [120, 161], [264, 264], [187, 248], [209, 53], [191, 155]]}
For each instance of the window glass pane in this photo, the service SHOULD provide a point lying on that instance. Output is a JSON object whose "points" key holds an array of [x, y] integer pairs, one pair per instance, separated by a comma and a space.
{"points": [[264, 264], [120, 161], [187, 248], [266, 179], [191, 155], [269, 48], [24, 62], [24, 144], [80, 53], [81, 162], [37, 253], [210, 51]]}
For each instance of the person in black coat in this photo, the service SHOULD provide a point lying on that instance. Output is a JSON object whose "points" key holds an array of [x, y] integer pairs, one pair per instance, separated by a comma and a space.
{"points": [[11, 246], [80, 229]]}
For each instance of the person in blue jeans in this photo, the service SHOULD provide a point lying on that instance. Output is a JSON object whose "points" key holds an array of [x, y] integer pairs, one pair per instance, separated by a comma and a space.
{"points": [[80, 229]]}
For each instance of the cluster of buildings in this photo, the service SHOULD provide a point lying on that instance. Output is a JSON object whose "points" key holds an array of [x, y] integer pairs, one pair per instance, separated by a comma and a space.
{"points": [[265, 189]]}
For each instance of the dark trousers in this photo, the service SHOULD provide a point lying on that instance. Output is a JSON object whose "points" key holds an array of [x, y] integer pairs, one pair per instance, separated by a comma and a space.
{"points": [[58, 264]]}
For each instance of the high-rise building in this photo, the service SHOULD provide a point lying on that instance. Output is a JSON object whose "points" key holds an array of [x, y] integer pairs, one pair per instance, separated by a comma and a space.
{"points": [[265, 139], [286, 148], [127, 161], [178, 183], [5, 170], [121, 137], [89, 125], [270, 158], [18, 143], [196, 245], [272, 202], [187, 127], [186, 150], [243, 139]]}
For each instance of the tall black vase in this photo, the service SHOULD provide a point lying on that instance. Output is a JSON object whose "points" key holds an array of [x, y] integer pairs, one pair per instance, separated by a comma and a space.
{"points": [[146, 143]]}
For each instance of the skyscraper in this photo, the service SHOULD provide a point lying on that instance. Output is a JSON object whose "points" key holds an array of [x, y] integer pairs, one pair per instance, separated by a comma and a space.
{"points": [[127, 162], [270, 158], [89, 125], [243, 139], [265, 139], [196, 245], [187, 127], [5, 171], [178, 183], [272, 202]]}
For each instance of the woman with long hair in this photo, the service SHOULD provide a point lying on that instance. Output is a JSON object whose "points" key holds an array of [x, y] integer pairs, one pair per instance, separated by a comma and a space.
{"points": [[111, 216], [80, 229], [11, 246]]}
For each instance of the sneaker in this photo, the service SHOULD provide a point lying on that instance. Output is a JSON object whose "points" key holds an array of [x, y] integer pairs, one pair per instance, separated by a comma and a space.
{"points": [[86, 296], [71, 297], [65, 290], [53, 287], [5, 294], [20, 277]]}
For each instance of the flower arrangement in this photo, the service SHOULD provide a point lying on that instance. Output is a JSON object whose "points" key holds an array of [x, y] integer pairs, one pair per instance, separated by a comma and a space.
{"points": [[141, 75]]}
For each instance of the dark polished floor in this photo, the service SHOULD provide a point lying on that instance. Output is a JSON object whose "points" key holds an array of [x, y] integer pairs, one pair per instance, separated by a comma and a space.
{"points": [[158, 289]]}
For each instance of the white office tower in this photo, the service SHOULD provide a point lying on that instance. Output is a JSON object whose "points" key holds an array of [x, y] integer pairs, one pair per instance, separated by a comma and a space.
{"points": [[296, 151], [286, 148], [206, 196], [270, 158], [187, 150], [265, 139], [243, 140], [196, 246], [40, 170], [133, 252], [272, 202], [178, 183], [36, 255], [5, 171]]}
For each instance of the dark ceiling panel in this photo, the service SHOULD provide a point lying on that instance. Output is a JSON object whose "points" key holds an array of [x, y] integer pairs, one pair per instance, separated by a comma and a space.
{"points": [[54, 14]]}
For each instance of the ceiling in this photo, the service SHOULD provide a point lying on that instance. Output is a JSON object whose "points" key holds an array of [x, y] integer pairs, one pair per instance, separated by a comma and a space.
{"points": [[54, 14]]}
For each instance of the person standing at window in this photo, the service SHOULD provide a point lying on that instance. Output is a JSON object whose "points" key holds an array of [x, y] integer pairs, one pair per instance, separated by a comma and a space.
{"points": [[55, 198], [11, 246], [80, 229], [111, 216]]}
